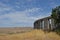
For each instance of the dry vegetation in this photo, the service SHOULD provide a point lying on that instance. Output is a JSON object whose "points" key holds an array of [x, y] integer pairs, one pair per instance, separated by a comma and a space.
{"points": [[27, 34]]}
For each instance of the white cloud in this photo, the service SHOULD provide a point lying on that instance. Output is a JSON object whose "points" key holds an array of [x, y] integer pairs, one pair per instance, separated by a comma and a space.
{"points": [[4, 7], [17, 6], [19, 17], [33, 9]]}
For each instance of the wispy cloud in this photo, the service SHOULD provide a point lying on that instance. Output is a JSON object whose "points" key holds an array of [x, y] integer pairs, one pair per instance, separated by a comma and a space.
{"points": [[19, 17], [5, 8], [24, 12]]}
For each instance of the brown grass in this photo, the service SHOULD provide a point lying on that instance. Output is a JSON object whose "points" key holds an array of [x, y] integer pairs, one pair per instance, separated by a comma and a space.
{"points": [[31, 35]]}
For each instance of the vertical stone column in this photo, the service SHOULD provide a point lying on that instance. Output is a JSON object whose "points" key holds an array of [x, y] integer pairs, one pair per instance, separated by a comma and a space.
{"points": [[40, 25], [35, 24], [46, 24], [52, 24], [43, 24]]}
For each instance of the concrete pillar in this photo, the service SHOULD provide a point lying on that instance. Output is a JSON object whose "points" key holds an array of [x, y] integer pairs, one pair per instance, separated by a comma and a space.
{"points": [[46, 24], [40, 25], [37, 25], [49, 24], [52, 23], [43, 24]]}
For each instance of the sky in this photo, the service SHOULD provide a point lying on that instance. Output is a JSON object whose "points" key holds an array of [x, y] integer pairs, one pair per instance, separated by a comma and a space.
{"points": [[23, 13]]}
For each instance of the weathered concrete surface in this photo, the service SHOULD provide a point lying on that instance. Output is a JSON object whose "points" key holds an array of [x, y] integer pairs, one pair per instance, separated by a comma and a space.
{"points": [[46, 23]]}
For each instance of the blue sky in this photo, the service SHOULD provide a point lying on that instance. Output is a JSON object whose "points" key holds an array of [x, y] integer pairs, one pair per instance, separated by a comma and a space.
{"points": [[23, 13]]}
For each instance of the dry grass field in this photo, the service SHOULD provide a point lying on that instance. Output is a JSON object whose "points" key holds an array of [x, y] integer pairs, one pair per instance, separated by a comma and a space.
{"points": [[26, 34]]}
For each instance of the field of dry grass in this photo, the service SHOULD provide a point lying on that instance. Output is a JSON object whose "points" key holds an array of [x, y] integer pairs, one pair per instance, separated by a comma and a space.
{"points": [[27, 34]]}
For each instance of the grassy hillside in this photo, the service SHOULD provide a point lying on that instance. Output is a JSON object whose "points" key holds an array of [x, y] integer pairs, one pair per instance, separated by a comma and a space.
{"points": [[31, 35]]}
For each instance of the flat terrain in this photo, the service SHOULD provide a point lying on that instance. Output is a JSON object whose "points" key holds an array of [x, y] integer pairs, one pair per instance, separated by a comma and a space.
{"points": [[14, 30], [26, 34]]}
